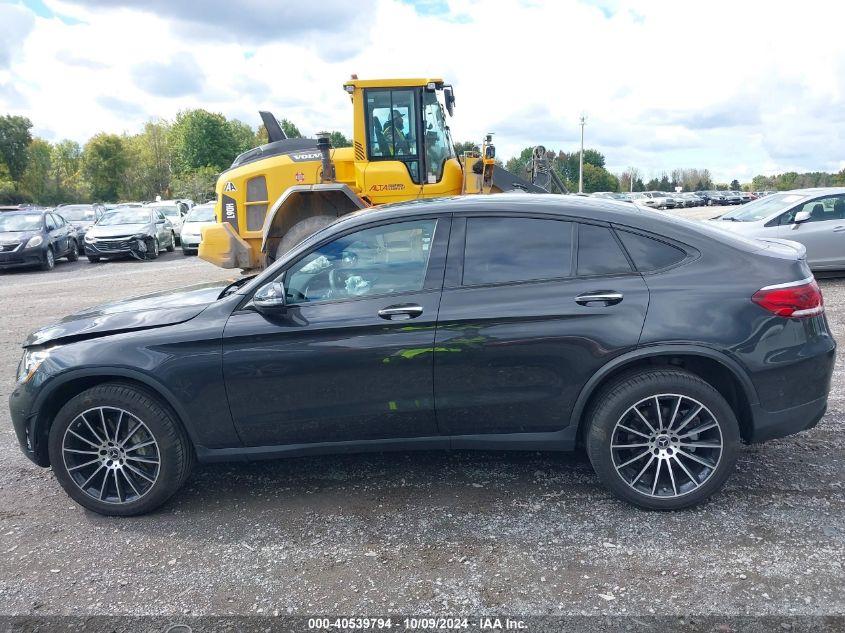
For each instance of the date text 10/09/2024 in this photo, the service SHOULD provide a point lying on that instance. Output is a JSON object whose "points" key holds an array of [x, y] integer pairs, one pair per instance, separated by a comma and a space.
{"points": [[418, 624]]}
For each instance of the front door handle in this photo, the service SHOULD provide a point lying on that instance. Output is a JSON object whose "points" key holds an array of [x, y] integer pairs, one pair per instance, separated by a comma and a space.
{"points": [[606, 297], [400, 312]]}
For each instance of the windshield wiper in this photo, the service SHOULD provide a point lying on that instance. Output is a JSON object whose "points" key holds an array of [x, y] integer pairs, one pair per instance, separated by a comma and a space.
{"points": [[234, 286]]}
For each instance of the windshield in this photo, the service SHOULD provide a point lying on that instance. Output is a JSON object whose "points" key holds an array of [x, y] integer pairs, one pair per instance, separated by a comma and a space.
{"points": [[125, 216], [762, 207], [79, 213], [201, 214], [20, 222], [169, 211]]}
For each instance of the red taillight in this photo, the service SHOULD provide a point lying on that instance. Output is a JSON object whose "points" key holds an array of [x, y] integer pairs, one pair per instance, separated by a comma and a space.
{"points": [[793, 300]]}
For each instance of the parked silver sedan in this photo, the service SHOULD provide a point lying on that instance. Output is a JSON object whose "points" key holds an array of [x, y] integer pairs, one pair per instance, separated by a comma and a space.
{"points": [[813, 217]]}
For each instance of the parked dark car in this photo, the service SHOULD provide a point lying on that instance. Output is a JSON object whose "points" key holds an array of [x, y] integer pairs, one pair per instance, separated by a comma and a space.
{"points": [[711, 198], [81, 216], [498, 322], [124, 231], [731, 197], [35, 237]]}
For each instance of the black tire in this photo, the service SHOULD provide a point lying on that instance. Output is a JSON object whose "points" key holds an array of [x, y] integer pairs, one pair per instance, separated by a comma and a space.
{"points": [[93, 259], [174, 449], [156, 250], [301, 230], [617, 399], [172, 246], [73, 253], [49, 262]]}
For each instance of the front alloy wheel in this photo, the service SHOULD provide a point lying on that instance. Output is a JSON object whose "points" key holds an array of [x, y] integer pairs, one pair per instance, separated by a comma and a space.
{"points": [[118, 450], [111, 455]]}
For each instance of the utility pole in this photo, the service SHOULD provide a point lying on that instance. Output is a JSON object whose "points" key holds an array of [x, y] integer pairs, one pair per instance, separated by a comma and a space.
{"points": [[581, 158], [632, 179]]}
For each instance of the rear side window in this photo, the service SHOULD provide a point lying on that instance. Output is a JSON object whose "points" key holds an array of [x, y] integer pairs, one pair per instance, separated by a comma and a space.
{"points": [[502, 250], [650, 254], [599, 252]]}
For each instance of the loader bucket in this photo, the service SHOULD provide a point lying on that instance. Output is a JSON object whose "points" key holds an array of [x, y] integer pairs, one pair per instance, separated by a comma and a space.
{"points": [[223, 247]]}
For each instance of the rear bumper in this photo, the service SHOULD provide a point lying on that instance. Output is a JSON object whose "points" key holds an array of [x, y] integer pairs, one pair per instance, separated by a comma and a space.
{"points": [[769, 425]]}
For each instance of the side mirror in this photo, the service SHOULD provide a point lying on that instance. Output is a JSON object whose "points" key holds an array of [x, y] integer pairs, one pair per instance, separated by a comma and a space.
{"points": [[270, 297], [800, 218]]}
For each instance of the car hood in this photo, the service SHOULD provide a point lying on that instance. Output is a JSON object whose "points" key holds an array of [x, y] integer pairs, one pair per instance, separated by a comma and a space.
{"points": [[137, 313], [117, 230], [13, 237]]}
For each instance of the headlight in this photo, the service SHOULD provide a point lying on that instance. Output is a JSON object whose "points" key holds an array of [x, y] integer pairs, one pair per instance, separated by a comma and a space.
{"points": [[90, 239], [30, 363], [34, 241]]}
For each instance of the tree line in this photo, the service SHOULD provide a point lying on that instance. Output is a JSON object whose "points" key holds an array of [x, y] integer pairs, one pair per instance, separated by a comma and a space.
{"points": [[179, 158], [183, 157]]}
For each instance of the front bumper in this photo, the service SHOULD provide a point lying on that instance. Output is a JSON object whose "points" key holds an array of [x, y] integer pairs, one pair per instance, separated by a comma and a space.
{"points": [[117, 247], [22, 258], [32, 445], [191, 241]]}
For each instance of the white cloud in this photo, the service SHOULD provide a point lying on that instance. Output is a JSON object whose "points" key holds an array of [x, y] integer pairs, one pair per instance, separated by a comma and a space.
{"points": [[739, 88]]}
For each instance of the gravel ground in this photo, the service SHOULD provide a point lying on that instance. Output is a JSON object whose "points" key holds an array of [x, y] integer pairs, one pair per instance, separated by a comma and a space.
{"points": [[413, 533]]}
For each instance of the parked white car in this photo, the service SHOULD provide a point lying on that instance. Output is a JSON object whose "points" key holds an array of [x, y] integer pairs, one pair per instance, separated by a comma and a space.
{"points": [[813, 217], [173, 212], [200, 216]]}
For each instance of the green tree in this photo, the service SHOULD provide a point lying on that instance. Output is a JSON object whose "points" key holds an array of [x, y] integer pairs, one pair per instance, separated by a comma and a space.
{"points": [[520, 164], [735, 186], [338, 139], [599, 179], [242, 135], [15, 137], [104, 164], [466, 146], [66, 172], [197, 185], [150, 162], [36, 177], [202, 139]]}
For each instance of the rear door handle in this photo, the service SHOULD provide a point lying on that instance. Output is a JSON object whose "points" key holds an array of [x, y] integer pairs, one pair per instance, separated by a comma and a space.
{"points": [[606, 297], [400, 312]]}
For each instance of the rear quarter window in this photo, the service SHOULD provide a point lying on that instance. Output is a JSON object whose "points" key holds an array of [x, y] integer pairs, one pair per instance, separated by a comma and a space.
{"points": [[650, 254], [599, 253]]}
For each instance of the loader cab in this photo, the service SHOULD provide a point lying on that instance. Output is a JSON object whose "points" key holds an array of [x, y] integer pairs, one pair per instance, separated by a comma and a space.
{"points": [[402, 129]]}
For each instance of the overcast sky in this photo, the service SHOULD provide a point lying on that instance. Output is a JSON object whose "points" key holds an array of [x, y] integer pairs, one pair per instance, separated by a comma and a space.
{"points": [[738, 87]]}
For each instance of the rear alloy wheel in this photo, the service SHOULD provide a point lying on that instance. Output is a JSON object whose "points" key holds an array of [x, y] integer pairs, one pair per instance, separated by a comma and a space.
{"points": [[73, 252], [49, 260], [115, 450], [663, 439]]}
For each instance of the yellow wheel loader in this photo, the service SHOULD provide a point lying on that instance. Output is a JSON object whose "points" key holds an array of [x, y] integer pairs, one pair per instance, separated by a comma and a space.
{"points": [[276, 195]]}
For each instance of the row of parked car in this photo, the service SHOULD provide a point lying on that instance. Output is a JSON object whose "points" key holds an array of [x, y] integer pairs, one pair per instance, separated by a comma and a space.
{"points": [[669, 200], [37, 236]]}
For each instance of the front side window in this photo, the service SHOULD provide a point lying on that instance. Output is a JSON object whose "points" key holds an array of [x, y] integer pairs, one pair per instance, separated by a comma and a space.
{"points": [[382, 260], [438, 146], [506, 250], [391, 119], [820, 209]]}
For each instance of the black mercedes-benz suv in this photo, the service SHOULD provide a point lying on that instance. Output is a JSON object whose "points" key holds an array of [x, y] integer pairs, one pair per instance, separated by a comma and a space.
{"points": [[490, 322]]}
